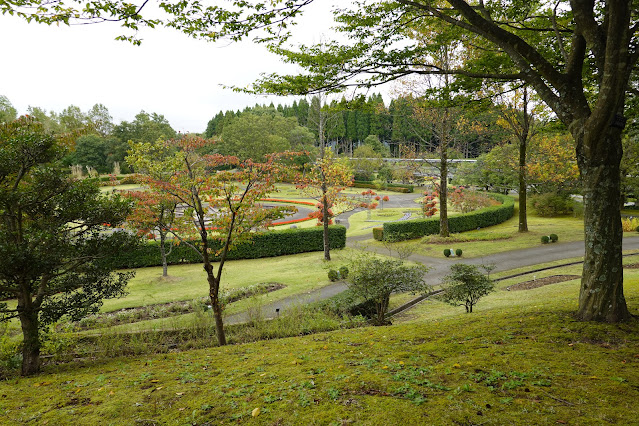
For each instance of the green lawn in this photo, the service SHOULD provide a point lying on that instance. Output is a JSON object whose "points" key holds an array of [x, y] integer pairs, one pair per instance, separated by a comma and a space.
{"points": [[300, 273], [498, 238], [519, 359]]}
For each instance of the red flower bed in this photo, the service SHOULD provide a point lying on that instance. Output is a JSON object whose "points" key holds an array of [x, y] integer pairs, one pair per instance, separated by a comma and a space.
{"points": [[279, 200]]}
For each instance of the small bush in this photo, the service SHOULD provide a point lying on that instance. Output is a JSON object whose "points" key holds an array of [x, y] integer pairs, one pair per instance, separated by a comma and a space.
{"points": [[545, 239], [553, 238], [378, 234], [458, 252], [551, 204], [343, 272], [629, 224], [333, 275], [447, 252], [130, 179]]}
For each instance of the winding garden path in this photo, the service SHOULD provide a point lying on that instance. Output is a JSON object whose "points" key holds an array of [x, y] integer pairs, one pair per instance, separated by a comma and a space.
{"points": [[439, 267]]}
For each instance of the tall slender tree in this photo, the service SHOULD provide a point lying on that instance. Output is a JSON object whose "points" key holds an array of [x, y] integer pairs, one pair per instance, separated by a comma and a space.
{"points": [[221, 193]]}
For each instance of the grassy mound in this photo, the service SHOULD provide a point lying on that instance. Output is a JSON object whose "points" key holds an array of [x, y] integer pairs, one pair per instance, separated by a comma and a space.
{"points": [[527, 364]]}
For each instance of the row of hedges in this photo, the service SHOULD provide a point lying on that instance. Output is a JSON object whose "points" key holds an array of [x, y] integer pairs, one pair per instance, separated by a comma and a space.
{"points": [[394, 187], [263, 244], [482, 218]]}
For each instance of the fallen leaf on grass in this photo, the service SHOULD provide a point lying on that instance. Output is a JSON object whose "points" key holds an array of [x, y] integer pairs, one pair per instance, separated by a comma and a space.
{"points": [[255, 412]]}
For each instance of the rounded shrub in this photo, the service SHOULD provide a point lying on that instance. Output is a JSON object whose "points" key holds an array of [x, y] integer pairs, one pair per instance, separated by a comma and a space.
{"points": [[545, 239], [343, 272], [333, 275], [637, 228], [553, 238], [458, 252], [447, 252]]}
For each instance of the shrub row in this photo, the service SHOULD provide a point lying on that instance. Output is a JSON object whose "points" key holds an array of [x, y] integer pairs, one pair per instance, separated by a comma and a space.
{"points": [[263, 244], [395, 187], [482, 218]]}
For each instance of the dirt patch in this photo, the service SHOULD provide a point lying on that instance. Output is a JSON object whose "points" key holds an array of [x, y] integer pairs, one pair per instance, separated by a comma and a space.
{"points": [[540, 282], [631, 266]]}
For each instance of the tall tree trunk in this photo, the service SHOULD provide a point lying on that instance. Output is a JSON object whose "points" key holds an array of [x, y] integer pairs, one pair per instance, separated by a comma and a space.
{"points": [[214, 291], [523, 187], [31, 337], [443, 193], [325, 220], [165, 265], [601, 296], [325, 206]]}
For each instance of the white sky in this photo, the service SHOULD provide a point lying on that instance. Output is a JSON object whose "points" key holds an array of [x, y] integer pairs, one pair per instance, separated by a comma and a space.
{"points": [[170, 74]]}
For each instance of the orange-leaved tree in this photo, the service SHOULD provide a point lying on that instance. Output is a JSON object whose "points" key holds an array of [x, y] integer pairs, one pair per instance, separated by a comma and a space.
{"points": [[220, 195], [325, 182], [156, 215]]}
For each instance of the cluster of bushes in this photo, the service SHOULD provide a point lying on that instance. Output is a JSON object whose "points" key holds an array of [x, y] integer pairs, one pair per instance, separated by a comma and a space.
{"points": [[263, 244], [394, 187], [340, 274], [552, 204], [482, 218], [552, 238], [448, 252]]}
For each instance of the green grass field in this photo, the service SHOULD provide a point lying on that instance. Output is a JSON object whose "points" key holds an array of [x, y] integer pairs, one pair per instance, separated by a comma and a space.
{"points": [[519, 359]]}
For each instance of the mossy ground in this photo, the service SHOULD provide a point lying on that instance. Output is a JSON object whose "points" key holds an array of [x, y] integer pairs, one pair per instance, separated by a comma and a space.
{"points": [[519, 361]]}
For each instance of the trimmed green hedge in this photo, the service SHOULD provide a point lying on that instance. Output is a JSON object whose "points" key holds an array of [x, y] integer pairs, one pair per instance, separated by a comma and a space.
{"points": [[395, 187], [263, 244], [482, 218]]}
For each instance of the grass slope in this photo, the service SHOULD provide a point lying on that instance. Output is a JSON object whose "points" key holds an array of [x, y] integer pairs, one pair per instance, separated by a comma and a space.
{"points": [[519, 363]]}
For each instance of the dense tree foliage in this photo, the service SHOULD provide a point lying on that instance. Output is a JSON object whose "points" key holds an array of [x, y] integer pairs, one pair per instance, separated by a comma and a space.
{"points": [[56, 250]]}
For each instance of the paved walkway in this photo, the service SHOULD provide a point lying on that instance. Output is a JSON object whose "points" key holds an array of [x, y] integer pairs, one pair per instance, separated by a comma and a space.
{"points": [[439, 265]]}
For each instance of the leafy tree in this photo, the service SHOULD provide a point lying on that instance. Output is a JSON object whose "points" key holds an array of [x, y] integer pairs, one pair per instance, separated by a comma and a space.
{"points": [[71, 119], [55, 257], [377, 146], [49, 121], [90, 150], [255, 135], [375, 278], [325, 182], [496, 170], [365, 162], [145, 128], [552, 166], [518, 116], [465, 285], [157, 213], [7, 111], [99, 120], [221, 193]]}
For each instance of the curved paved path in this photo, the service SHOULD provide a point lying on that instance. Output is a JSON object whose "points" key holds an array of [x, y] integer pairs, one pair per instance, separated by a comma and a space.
{"points": [[439, 265]]}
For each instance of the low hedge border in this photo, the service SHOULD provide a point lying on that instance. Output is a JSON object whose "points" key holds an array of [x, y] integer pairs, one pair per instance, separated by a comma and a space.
{"points": [[489, 216], [263, 244], [394, 187]]}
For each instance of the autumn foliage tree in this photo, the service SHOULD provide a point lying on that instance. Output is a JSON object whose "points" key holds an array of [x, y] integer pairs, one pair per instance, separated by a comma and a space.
{"points": [[221, 195], [155, 215], [325, 182]]}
